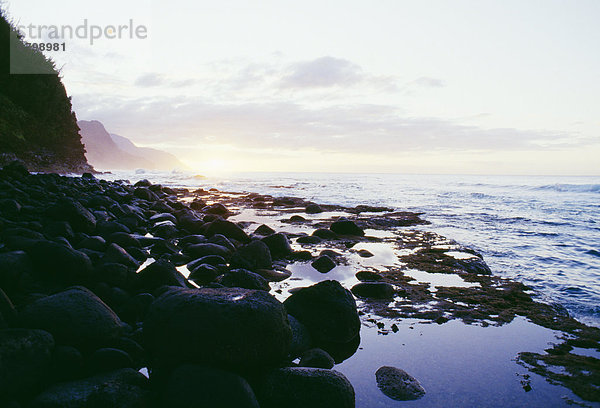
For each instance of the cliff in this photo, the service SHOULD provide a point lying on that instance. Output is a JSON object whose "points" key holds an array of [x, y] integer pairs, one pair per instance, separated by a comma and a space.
{"points": [[113, 152], [37, 124]]}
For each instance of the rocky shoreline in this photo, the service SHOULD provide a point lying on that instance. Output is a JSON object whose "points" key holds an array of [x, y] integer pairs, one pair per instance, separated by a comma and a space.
{"points": [[101, 280]]}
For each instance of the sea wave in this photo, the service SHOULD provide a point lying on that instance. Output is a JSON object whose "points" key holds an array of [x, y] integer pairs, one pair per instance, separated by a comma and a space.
{"points": [[570, 188]]}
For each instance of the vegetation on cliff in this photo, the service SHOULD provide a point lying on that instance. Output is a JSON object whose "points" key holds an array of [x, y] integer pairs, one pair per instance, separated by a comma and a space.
{"points": [[37, 124]]}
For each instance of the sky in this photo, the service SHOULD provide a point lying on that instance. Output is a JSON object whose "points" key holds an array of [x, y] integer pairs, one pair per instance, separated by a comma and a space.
{"points": [[459, 87]]}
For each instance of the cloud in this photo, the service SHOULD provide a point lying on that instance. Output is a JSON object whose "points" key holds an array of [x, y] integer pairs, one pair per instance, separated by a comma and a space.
{"points": [[429, 82], [361, 129], [322, 72], [150, 80]]}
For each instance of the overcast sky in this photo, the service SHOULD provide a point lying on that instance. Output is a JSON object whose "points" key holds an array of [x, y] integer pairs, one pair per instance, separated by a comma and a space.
{"points": [[509, 87]]}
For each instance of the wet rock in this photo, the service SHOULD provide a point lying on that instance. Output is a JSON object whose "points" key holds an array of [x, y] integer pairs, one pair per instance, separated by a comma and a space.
{"points": [[370, 208], [374, 290], [67, 209], [264, 230], [255, 255], [115, 274], [94, 243], [159, 273], [313, 209], [363, 253], [7, 309], [327, 310], [301, 340], [145, 194], [316, 358], [165, 229], [228, 229], [216, 209], [13, 266], [74, 317], [116, 254], [205, 273], [191, 386], [323, 264], [241, 278], [59, 229], [297, 218], [201, 250], [223, 241], [398, 384], [274, 275], [198, 204], [54, 261], [25, 357], [155, 219], [368, 276], [308, 240], [346, 227], [474, 265], [109, 359], [295, 387], [278, 244], [124, 388], [67, 363], [228, 327], [213, 260], [191, 223], [324, 233], [9, 207], [124, 240]]}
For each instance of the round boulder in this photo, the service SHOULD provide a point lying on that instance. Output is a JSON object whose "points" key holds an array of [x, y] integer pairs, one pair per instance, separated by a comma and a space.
{"points": [[295, 387], [398, 384], [75, 317], [229, 327], [327, 310]]}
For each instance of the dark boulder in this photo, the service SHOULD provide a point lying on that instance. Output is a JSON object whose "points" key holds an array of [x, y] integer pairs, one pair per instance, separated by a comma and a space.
{"points": [[279, 245], [227, 327], [316, 358], [194, 386], [324, 233], [398, 384], [124, 240], [307, 239], [301, 340], [116, 254], [374, 290], [213, 260], [255, 255], [203, 274], [363, 253], [323, 264], [124, 388], [228, 229], [109, 359], [264, 230], [159, 273], [368, 276], [313, 209], [145, 194], [200, 250], [327, 310], [346, 227], [75, 317], [25, 358], [216, 209], [94, 243], [299, 387], [13, 266], [241, 278], [54, 261], [80, 218]]}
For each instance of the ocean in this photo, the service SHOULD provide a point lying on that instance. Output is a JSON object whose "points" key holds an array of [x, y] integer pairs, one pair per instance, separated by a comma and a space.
{"points": [[543, 231]]}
